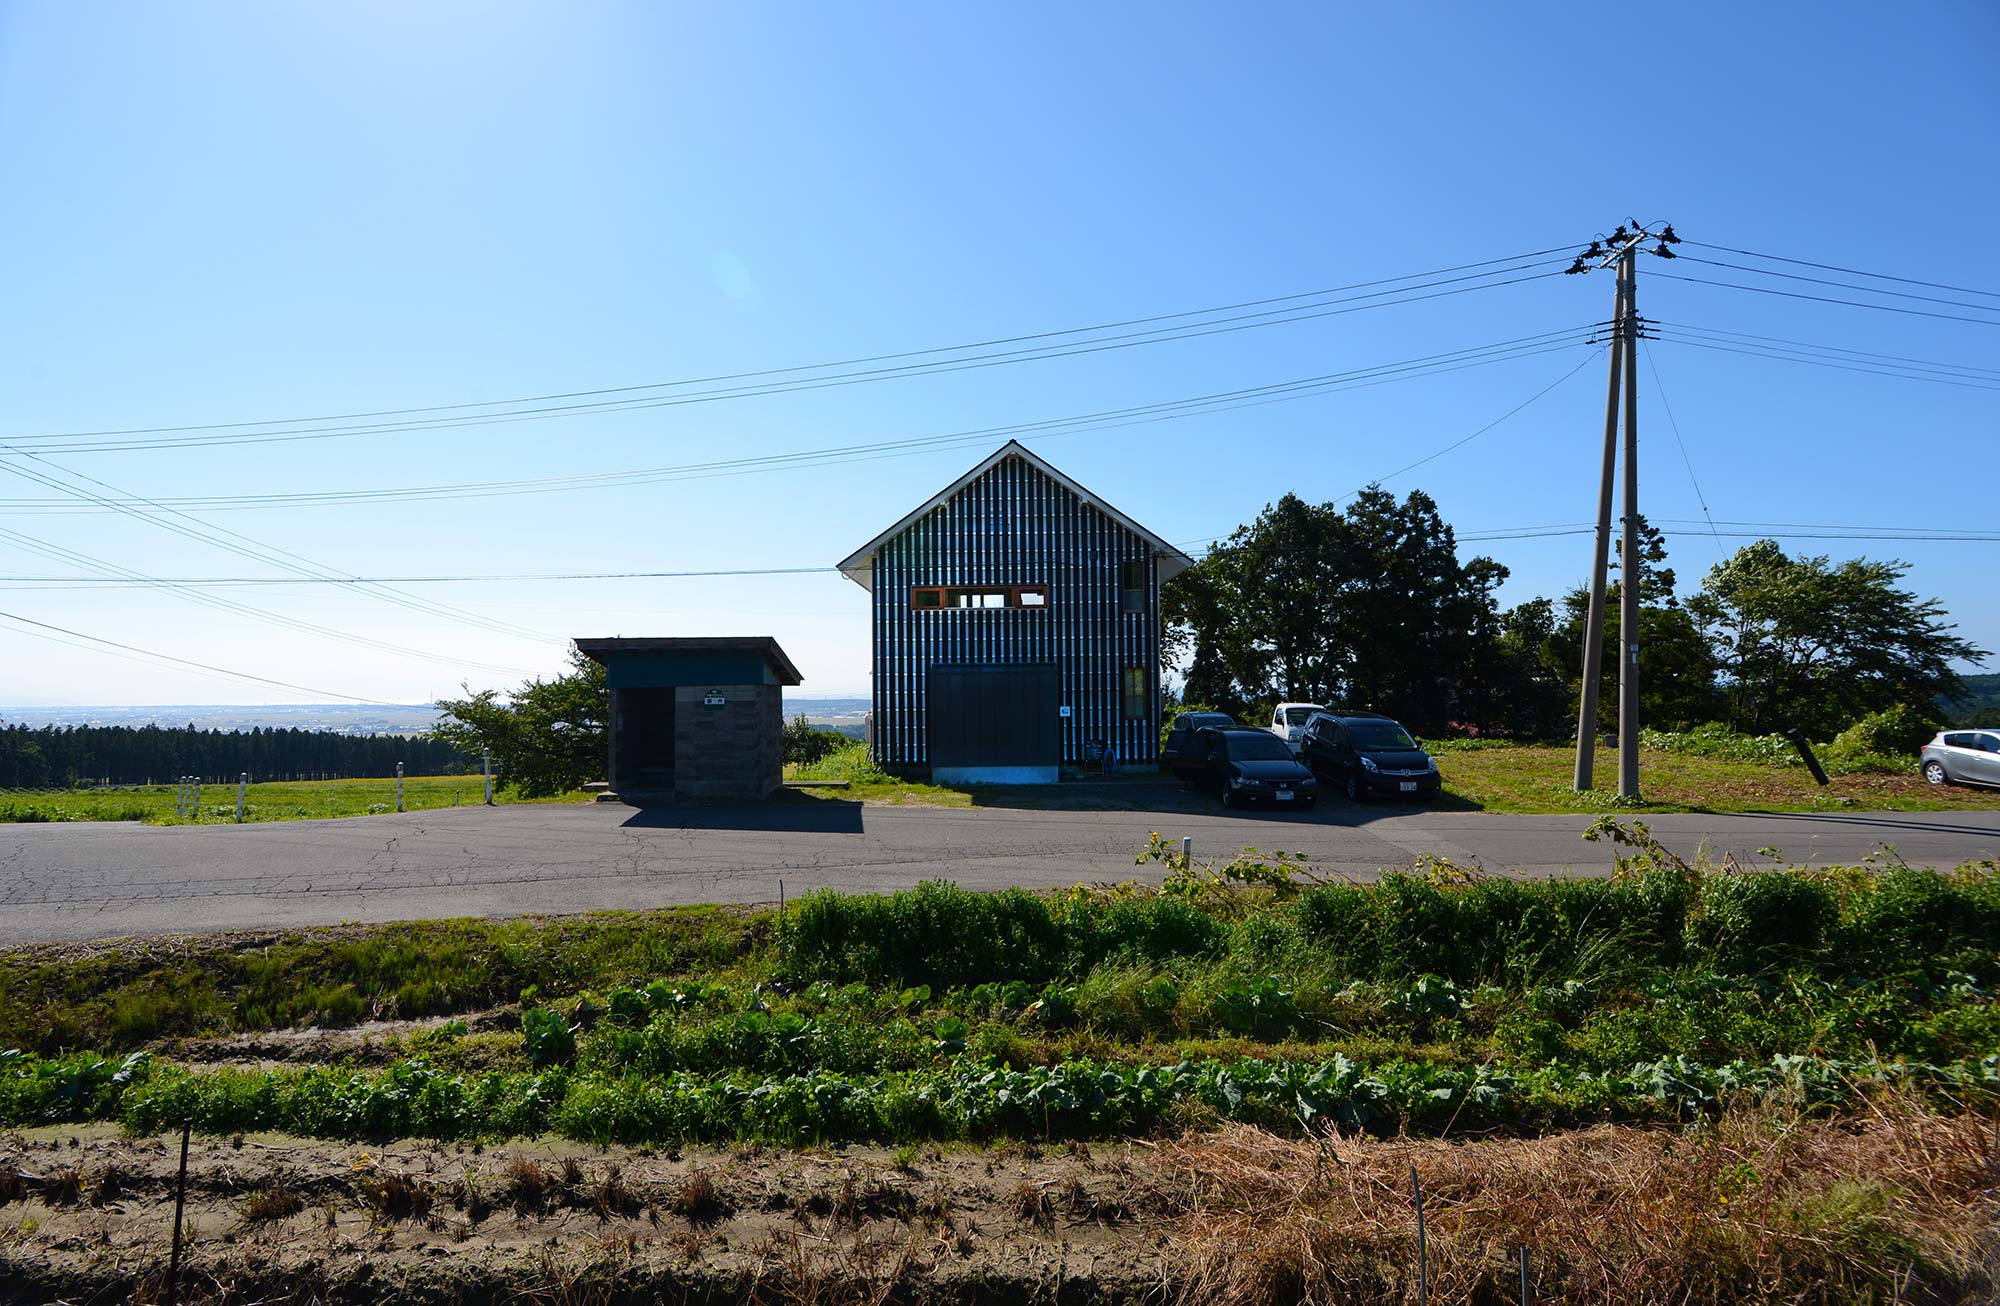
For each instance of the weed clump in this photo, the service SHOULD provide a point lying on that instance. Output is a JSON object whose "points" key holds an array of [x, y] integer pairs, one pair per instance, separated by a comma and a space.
{"points": [[698, 1200], [277, 1200]]}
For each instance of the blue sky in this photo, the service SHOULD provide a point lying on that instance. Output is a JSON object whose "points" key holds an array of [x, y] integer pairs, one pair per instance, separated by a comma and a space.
{"points": [[240, 212]]}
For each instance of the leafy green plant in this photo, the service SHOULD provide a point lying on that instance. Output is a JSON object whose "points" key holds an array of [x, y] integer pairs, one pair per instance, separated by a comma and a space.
{"points": [[550, 1037], [1264, 1007]]}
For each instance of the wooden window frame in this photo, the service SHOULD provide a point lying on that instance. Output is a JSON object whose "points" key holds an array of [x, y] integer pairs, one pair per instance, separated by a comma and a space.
{"points": [[1132, 598], [940, 597], [1127, 699]]}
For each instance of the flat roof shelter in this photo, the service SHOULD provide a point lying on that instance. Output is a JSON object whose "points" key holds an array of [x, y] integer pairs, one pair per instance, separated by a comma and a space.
{"points": [[695, 718]]}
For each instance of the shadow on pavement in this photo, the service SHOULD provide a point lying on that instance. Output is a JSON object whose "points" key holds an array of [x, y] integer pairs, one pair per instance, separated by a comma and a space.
{"points": [[784, 814], [1869, 820]]}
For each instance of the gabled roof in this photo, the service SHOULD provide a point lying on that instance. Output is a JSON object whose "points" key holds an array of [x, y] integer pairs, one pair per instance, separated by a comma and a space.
{"points": [[859, 566]]}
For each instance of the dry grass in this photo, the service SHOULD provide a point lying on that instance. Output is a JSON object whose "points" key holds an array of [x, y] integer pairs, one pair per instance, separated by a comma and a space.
{"points": [[525, 1186], [697, 1200], [610, 1196], [396, 1196], [63, 1186], [279, 1201], [1897, 1204]]}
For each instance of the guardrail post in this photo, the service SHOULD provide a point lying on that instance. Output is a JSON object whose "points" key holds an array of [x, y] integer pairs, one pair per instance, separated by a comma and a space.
{"points": [[1798, 738]]}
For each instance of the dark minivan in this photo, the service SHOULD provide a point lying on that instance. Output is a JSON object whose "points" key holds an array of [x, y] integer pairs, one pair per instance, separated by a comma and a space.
{"points": [[1243, 765], [1185, 727], [1368, 754]]}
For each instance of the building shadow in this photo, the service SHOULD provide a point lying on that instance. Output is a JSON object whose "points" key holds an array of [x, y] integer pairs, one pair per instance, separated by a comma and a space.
{"points": [[786, 813]]}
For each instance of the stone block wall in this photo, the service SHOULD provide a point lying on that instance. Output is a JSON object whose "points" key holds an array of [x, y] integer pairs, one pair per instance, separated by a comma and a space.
{"points": [[732, 751]]}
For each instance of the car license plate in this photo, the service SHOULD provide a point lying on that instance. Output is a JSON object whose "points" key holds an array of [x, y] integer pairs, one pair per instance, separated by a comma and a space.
{"points": [[1409, 786], [1284, 795]]}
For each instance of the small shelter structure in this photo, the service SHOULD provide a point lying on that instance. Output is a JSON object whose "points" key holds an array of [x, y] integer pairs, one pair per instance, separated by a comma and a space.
{"points": [[695, 718]]}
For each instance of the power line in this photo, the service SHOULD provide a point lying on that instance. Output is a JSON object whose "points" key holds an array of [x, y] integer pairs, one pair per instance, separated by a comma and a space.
{"points": [[299, 625], [1432, 457], [203, 667], [506, 577], [1189, 332], [270, 555], [1839, 365], [1887, 534], [807, 367], [1928, 363], [1221, 401], [1675, 426], [1844, 285], [1823, 299], [1834, 526], [1853, 272], [1456, 444]]}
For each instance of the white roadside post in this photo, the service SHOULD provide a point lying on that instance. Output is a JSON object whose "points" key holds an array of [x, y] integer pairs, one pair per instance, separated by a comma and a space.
{"points": [[486, 765], [399, 786], [242, 782]]}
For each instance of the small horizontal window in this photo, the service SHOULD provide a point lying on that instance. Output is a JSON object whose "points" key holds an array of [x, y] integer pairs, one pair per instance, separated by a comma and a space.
{"points": [[936, 598]]}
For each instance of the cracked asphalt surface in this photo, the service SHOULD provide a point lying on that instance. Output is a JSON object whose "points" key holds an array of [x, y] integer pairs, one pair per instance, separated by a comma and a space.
{"points": [[71, 882]]}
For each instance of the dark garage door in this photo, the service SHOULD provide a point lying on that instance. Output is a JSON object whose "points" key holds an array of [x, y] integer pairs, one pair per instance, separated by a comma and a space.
{"points": [[994, 716]]}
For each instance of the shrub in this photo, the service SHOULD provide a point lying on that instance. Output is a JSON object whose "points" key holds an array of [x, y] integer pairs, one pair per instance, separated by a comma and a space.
{"points": [[850, 762], [1718, 740], [1763, 921], [1901, 729], [807, 744]]}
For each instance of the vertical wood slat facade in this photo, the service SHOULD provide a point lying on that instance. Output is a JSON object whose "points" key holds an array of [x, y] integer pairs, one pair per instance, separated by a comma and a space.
{"points": [[1015, 521]]}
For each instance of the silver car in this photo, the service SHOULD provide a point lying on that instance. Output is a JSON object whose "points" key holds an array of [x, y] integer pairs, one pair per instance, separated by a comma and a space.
{"points": [[1967, 757]]}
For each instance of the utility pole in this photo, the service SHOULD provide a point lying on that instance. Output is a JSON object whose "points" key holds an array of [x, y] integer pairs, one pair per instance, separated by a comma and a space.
{"points": [[1593, 630], [1620, 250]]}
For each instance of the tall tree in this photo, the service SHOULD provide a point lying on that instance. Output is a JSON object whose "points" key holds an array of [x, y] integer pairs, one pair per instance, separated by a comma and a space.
{"points": [[1367, 607], [547, 737], [1811, 643]]}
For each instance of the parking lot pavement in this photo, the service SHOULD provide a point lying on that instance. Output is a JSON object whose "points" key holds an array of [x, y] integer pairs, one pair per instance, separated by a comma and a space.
{"points": [[89, 881]]}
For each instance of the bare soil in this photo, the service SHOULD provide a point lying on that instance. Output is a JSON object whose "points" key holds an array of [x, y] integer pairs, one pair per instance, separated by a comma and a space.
{"points": [[1897, 1203], [86, 1215]]}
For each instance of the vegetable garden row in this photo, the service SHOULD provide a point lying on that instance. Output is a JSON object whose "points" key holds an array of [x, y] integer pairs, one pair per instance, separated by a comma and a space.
{"points": [[1436, 1001]]}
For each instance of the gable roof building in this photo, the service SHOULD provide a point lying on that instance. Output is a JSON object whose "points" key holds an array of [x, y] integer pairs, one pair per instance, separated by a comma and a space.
{"points": [[1016, 627]]}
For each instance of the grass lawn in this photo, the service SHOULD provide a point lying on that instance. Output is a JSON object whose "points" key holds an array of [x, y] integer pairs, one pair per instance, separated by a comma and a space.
{"points": [[1505, 778], [1537, 779], [277, 801]]}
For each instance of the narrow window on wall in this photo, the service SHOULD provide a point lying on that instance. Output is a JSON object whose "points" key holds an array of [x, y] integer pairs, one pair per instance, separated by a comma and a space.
{"points": [[975, 598], [1135, 693], [1132, 586], [926, 597]]}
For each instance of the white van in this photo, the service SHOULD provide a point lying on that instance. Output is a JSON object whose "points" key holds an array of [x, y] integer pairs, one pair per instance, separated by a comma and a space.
{"points": [[1288, 721]]}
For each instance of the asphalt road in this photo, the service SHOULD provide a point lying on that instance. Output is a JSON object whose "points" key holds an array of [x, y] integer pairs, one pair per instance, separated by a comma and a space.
{"points": [[92, 881]]}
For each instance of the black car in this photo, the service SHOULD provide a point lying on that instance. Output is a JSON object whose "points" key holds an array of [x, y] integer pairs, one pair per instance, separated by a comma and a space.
{"points": [[1368, 754], [1185, 727], [1244, 765]]}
